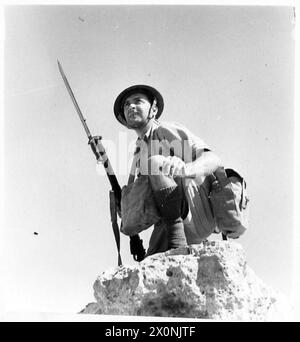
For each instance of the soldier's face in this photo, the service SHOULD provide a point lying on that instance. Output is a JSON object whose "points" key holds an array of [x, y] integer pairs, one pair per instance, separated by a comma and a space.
{"points": [[136, 110]]}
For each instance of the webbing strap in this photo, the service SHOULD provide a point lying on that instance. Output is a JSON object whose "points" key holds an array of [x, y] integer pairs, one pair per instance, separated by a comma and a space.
{"points": [[136, 243]]}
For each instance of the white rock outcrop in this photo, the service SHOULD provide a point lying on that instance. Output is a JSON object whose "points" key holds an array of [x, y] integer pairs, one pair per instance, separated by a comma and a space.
{"points": [[210, 281]]}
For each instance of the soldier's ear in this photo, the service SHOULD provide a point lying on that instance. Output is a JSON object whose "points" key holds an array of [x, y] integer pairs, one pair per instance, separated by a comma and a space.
{"points": [[154, 108]]}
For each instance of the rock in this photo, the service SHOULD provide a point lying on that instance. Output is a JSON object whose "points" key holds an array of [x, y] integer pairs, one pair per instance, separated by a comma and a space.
{"points": [[210, 281], [91, 308]]}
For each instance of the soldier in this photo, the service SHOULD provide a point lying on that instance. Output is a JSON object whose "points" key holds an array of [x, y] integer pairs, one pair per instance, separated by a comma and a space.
{"points": [[176, 164], [176, 182]]}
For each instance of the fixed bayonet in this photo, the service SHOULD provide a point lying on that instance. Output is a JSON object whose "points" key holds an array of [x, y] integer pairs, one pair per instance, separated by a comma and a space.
{"points": [[95, 142], [74, 101]]}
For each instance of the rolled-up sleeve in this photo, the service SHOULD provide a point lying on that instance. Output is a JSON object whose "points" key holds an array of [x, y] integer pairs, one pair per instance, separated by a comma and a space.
{"points": [[175, 139]]}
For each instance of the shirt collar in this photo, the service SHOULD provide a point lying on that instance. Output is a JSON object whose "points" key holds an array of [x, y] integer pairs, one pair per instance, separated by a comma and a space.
{"points": [[148, 133]]}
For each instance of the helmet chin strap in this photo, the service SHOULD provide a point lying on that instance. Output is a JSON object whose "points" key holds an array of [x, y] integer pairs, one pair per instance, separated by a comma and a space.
{"points": [[151, 110]]}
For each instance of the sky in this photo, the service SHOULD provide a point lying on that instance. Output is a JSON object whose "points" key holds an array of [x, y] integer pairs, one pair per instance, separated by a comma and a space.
{"points": [[226, 73]]}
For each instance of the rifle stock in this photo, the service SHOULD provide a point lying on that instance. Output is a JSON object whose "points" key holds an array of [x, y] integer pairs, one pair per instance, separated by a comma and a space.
{"points": [[99, 151]]}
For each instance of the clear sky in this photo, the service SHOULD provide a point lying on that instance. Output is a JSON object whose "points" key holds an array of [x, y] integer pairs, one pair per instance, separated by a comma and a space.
{"points": [[226, 73]]}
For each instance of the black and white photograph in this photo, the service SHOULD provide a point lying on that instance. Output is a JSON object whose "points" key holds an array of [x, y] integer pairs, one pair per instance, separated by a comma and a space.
{"points": [[148, 163]]}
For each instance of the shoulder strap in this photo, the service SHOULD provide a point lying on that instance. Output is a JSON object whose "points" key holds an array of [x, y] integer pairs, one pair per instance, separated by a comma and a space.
{"points": [[131, 177], [136, 243], [132, 173]]}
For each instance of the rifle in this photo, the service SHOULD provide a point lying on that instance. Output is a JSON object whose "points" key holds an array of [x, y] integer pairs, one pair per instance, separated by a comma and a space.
{"points": [[115, 194]]}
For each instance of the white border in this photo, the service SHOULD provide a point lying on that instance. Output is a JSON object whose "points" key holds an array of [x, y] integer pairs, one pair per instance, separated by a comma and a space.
{"points": [[295, 295]]}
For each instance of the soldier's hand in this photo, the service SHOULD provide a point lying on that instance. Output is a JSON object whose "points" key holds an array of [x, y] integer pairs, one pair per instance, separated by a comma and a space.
{"points": [[94, 145], [174, 167]]}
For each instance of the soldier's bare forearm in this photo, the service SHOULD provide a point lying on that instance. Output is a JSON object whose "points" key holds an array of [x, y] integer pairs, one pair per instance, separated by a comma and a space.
{"points": [[205, 165]]}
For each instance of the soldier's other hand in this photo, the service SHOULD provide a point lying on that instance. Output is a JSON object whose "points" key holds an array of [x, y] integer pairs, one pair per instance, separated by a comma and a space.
{"points": [[174, 167]]}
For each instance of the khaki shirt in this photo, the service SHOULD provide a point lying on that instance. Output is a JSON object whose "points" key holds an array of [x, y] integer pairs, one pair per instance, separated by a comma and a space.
{"points": [[166, 138]]}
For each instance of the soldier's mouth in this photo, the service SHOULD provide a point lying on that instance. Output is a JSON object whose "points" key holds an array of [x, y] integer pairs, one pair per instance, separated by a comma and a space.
{"points": [[133, 114]]}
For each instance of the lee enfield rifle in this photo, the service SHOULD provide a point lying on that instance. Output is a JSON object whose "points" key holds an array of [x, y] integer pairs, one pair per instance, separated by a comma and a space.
{"points": [[136, 245]]}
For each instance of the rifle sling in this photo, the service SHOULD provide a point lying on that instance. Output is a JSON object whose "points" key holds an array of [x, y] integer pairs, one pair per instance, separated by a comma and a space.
{"points": [[114, 221]]}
